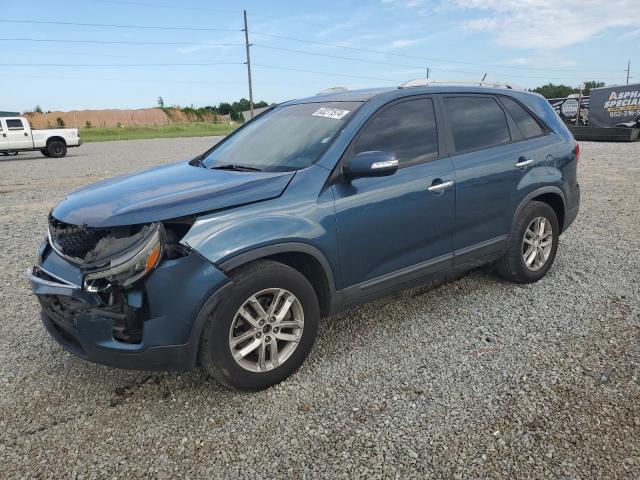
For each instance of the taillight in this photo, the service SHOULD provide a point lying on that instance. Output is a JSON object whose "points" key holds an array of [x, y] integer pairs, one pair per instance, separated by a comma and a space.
{"points": [[577, 152]]}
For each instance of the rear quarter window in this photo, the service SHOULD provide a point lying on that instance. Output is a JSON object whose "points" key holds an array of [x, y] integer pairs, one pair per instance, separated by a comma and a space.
{"points": [[528, 126], [476, 122]]}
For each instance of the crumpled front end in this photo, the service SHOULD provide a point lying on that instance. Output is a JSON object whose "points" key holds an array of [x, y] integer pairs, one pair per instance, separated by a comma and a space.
{"points": [[131, 297]]}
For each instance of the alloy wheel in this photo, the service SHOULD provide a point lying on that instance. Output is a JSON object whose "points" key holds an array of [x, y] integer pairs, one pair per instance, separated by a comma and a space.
{"points": [[537, 243], [266, 330]]}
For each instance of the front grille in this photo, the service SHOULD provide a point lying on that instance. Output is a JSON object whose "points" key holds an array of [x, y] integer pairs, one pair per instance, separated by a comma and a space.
{"points": [[58, 309], [73, 240], [77, 244]]}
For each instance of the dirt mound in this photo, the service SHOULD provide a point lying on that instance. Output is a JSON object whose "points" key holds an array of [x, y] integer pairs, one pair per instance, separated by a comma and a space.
{"points": [[115, 117]]}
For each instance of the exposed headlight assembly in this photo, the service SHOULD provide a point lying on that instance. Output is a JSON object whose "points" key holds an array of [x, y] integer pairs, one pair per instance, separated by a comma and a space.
{"points": [[131, 265]]}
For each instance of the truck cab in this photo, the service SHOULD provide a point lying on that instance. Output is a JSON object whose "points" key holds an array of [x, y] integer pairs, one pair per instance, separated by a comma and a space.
{"points": [[16, 135]]}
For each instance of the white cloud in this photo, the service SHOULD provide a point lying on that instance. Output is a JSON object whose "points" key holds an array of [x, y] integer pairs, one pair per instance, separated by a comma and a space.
{"points": [[403, 42], [548, 24]]}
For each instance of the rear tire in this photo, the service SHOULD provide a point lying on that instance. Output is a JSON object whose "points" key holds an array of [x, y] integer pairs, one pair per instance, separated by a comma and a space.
{"points": [[532, 246], [44, 152], [247, 348], [56, 149]]}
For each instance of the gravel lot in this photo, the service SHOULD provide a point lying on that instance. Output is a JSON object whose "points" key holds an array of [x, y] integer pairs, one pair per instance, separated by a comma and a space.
{"points": [[472, 378]]}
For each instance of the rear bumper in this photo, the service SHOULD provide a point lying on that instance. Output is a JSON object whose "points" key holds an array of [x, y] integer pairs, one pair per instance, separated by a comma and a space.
{"points": [[572, 208], [176, 300]]}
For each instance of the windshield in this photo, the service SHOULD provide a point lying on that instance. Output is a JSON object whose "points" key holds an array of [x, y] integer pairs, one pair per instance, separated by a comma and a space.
{"points": [[290, 137]]}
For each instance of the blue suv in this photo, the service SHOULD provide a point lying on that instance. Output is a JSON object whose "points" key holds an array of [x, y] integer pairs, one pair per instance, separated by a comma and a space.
{"points": [[230, 260]]}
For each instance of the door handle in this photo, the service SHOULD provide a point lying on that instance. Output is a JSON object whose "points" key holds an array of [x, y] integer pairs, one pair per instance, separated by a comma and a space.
{"points": [[438, 187], [26, 134], [524, 162]]}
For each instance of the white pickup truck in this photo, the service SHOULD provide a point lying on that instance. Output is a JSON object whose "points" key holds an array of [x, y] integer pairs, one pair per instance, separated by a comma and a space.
{"points": [[16, 136]]}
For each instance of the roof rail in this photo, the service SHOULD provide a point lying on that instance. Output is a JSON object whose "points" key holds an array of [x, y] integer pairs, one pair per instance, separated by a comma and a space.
{"points": [[425, 82], [333, 90]]}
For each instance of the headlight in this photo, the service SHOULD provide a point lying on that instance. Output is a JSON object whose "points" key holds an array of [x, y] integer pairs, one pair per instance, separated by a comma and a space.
{"points": [[128, 267]]}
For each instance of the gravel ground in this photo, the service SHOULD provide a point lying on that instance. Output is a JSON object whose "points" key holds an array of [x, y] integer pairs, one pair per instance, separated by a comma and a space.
{"points": [[471, 378]]}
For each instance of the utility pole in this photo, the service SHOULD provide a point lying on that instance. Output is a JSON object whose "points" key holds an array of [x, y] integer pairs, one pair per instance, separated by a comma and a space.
{"points": [[247, 45], [483, 77], [628, 70], [581, 86], [428, 72]]}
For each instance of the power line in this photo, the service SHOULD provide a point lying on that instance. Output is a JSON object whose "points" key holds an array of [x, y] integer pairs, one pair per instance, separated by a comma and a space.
{"points": [[118, 42], [296, 39], [111, 25], [235, 12], [69, 52], [161, 5], [118, 64], [464, 72], [306, 52], [275, 67], [418, 57], [114, 80]]}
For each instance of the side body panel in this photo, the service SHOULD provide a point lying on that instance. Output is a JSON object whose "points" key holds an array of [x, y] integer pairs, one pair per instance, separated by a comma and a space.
{"points": [[19, 138], [490, 188], [69, 135], [390, 223]]}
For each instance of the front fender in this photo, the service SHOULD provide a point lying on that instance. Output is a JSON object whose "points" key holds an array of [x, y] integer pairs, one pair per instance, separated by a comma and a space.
{"points": [[298, 221]]}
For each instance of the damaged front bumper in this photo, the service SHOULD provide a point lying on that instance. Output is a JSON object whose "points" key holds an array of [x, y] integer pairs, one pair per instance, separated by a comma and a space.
{"points": [[156, 325]]}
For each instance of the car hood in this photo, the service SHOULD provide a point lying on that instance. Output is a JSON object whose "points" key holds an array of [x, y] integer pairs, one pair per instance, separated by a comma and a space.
{"points": [[166, 192]]}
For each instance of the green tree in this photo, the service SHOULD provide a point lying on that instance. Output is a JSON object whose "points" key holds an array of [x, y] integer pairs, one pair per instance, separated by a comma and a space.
{"points": [[224, 108], [161, 102], [38, 109], [551, 90], [60, 122], [590, 85], [87, 124]]}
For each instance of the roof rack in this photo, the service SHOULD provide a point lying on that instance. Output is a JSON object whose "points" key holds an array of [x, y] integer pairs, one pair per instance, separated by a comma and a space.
{"points": [[425, 82], [333, 90]]}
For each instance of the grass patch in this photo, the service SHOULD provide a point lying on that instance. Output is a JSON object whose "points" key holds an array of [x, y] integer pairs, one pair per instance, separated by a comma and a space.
{"points": [[134, 132]]}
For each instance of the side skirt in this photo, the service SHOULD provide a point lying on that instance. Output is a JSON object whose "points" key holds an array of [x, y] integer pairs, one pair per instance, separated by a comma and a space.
{"points": [[416, 275]]}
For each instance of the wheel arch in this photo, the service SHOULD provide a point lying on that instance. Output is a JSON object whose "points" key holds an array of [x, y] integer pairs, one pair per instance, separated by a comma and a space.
{"points": [[305, 258], [552, 196], [56, 138]]}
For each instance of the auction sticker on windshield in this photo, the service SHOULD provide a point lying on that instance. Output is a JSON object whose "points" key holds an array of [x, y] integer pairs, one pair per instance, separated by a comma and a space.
{"points": [[330, 113]]}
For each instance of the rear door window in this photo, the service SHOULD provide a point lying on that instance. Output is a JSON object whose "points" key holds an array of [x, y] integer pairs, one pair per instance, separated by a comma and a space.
{"points": [[476, 122], [527, 125], [407, 129]]}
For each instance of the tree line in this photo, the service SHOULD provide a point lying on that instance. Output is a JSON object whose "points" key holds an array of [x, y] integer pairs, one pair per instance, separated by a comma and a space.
{"points": [[551, 90], [234, 109]]}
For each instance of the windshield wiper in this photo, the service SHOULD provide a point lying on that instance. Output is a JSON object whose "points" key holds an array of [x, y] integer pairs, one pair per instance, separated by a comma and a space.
{"points": [[237, 168]]}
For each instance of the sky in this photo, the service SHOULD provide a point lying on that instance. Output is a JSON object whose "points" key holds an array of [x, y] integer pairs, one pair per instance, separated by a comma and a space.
{"points": [[192, 52]]}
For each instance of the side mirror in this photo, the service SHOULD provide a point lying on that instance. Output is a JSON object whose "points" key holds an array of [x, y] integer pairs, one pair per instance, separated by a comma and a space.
{"points": [[371, 164]]}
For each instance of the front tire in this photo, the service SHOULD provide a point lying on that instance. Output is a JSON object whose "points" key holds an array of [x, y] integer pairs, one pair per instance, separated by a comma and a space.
{"points": [[264, 330], [532, 246], [56, 149], [44, 152]]}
